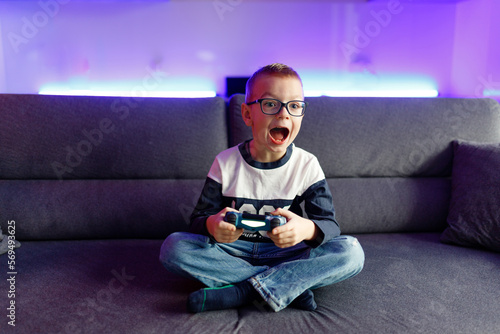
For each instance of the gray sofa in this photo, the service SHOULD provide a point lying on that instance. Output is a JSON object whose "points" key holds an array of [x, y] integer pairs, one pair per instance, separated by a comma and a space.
{"points": [[92, 186]]}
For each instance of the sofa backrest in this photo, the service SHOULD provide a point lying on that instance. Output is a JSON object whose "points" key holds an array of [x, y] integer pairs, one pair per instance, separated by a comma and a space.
{"points": [[388, 160], [105, 167], [109, 167], [77, 137]]}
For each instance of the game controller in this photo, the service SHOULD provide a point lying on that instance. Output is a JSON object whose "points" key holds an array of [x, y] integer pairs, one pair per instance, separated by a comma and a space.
{"points": [[253, 222]]}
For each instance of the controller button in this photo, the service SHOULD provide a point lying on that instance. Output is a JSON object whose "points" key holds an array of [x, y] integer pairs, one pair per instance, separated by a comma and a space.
{"points": [[275, 222], [231, 218]]}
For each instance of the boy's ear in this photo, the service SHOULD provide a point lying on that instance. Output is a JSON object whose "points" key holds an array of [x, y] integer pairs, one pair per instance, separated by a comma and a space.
{"points": [[246, 114]]}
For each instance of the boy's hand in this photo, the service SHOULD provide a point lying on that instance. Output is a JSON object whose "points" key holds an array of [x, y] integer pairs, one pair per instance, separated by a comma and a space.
{"points": [[297, 229], [223, 231]]}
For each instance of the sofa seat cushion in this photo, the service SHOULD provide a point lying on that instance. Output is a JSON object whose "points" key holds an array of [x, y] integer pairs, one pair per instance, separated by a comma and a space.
{"points": [[411, 283], [474, 217]]}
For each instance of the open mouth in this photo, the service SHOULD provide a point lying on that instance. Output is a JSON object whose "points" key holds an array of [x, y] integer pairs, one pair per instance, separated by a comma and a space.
{"points": [[279, 135]]}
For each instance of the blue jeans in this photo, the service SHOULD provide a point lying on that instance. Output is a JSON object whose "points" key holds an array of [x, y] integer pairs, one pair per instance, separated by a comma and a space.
{"points": [[279, 275]]}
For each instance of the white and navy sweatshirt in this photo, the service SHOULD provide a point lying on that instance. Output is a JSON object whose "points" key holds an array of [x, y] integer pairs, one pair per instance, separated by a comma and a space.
{"points": [[236, 180]]}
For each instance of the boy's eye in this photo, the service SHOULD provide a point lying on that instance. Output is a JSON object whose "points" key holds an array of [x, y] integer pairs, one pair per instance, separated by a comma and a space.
{"points": [[270, 104], [294, 105]]}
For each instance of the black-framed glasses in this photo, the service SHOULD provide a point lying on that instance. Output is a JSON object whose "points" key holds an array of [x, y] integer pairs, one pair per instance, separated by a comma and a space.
{"points": [[295, 108]]}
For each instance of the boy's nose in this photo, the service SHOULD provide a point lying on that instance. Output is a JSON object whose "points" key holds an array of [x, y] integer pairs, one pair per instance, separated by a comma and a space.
{"points": [[283, 113]]}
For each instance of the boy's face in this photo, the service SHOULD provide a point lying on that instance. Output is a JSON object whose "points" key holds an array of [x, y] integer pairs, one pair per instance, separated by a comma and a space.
{"points": [[272, 134]]}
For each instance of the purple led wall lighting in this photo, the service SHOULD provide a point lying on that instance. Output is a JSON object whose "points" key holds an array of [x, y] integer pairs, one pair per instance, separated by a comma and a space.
{"points": [[374, 48]]}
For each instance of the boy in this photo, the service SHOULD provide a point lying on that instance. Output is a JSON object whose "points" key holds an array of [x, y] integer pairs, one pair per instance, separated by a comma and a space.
{"points": [[266, 174]]}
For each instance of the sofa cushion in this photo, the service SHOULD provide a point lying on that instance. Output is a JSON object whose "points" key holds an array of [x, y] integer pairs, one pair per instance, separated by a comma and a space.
{"points": [[390, 204], [79, 167], [86, 137], [474, 217], [411, 283]]}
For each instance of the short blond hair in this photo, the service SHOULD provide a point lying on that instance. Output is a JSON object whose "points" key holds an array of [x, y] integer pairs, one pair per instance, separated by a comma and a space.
{"points": [[272, 69]]}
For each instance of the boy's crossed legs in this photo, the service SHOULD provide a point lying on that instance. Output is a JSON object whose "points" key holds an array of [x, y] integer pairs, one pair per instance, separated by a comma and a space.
{"points": [[281, 277]]}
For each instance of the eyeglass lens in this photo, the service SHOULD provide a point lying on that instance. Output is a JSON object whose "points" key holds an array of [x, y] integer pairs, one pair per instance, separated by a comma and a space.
{"points": [[271, 106]]}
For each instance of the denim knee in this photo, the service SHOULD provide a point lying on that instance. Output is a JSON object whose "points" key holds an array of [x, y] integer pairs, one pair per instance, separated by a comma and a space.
{"points": [[169, 252], [356, 253], [350, 249], [178, 248]]}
